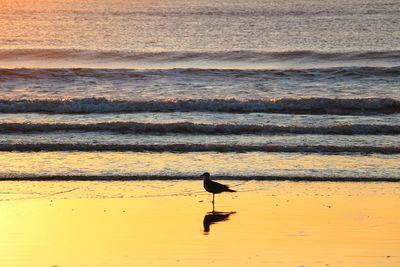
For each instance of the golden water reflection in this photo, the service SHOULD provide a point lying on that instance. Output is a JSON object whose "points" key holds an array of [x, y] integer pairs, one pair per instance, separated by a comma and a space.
{"points": [[215, 217], [275, 224]]}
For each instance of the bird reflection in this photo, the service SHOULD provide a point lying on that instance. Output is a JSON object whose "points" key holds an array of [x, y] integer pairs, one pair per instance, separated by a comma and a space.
{"points": [[214, 217]]}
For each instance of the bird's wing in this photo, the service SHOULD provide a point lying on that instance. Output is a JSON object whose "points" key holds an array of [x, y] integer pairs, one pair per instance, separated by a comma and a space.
{"points": [[220, 187]]}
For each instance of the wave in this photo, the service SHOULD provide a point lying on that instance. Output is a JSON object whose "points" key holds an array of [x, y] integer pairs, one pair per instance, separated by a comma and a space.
{"points": [[249, 11], [197, 148], [196, 177], [334, 106], [15, 74], [382, 58], [207, 129]]}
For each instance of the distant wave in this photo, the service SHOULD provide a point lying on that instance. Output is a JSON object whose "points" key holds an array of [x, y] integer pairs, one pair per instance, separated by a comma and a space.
{"points": [[90, 56], [14, 74], [193, 128], [336, 106], [212, 11], [196, 177]]}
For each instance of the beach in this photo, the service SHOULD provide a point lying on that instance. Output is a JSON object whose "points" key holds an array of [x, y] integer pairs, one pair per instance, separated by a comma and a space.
{"points": [[110, 110], [255, 90], [161, 223]]}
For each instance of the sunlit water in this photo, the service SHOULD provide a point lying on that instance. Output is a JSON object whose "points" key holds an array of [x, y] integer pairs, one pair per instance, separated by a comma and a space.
{"points": [[115, 88]]}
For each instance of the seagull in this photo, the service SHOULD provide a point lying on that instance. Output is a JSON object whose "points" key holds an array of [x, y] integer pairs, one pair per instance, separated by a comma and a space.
{"points": [[214, 187]]}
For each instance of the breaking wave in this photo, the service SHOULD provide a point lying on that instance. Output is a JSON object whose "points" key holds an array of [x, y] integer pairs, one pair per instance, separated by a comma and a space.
{"points": [[208, 129], [336, 106], [197, 148]]}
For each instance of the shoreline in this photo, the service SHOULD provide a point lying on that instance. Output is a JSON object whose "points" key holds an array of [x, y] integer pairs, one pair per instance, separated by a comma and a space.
{"points": [[194, 178]]}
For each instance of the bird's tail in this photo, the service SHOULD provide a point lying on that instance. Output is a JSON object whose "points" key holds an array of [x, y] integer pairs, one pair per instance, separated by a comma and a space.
{"points": [[231, 190]]}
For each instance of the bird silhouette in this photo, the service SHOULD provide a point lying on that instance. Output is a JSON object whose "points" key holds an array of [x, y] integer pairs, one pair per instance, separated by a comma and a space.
{"points": [[214, 187], [215, 217]]}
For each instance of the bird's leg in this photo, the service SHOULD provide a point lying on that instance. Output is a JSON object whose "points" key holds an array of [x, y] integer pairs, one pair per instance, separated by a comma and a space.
{"points": [[213, 199]]}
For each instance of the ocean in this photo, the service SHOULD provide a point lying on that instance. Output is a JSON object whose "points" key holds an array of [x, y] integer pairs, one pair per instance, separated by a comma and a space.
{"points": [[118, 89]]}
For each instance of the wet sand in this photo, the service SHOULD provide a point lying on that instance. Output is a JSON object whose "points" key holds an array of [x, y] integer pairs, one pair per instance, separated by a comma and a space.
{"points": [[170, 223]]}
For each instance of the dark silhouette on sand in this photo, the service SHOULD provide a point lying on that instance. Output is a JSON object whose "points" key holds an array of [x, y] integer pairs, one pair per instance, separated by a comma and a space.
{"points": [[214, 187], [214, 217]]}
